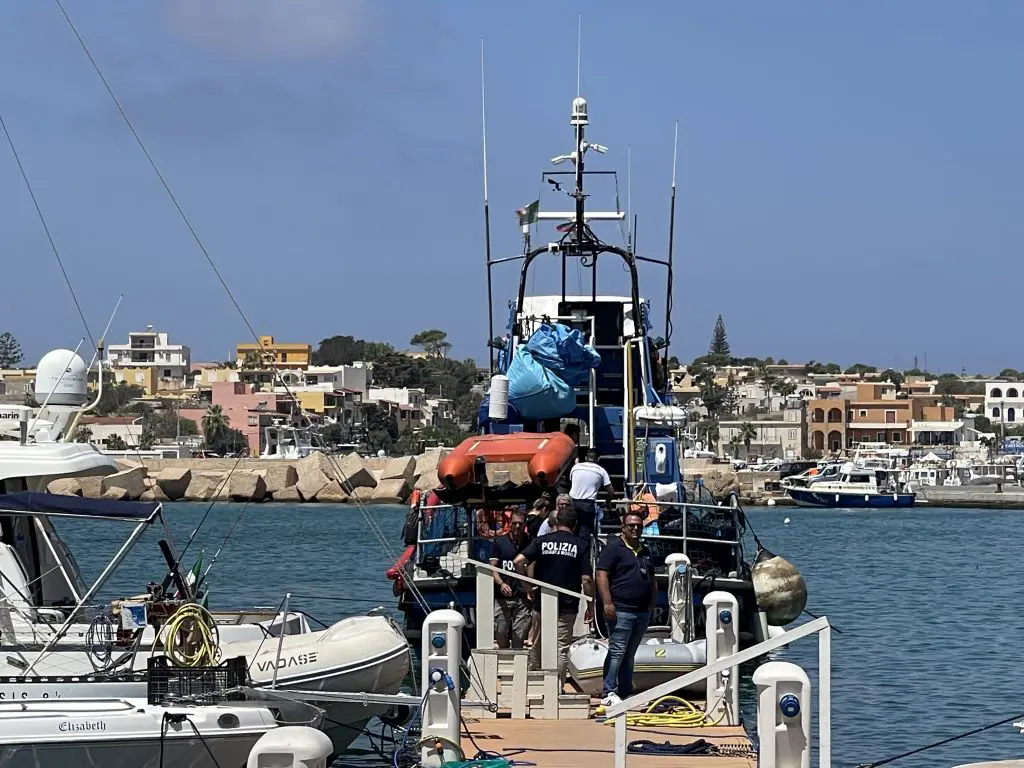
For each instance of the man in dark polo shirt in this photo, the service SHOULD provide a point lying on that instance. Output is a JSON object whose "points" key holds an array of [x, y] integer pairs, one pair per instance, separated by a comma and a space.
{"points": [[629, 592], [511, 611], [563, 560]]}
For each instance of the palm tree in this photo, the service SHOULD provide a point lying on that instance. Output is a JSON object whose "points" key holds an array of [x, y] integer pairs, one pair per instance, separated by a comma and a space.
{"points": [[747, 434], [735, 441], [214, 423]]}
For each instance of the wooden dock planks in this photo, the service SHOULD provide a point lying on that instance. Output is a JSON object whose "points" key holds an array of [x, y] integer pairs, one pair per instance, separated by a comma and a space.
{"points": [[591, 744]]}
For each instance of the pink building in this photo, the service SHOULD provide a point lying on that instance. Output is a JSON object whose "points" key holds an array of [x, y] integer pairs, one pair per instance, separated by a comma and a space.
{"points": [[246, 410]]}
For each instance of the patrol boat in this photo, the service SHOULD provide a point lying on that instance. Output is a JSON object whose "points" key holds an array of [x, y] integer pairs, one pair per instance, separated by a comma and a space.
{"points": [[585, 358]]}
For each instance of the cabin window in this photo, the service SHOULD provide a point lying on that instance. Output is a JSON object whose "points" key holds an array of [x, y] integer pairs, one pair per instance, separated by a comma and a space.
{"points": [[1011, 392], [1011, 414], [897, 437], [995, 413], [996, 392], [792, 434], [880, 437], [890, 417], [863, 413]]}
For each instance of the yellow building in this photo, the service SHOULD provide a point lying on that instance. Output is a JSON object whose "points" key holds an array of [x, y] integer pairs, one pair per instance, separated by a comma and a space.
{"points": [[274, 354], [139, 377]]}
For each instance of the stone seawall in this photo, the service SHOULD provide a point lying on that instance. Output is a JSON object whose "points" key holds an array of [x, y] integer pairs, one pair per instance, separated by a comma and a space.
{"points": [[316, 478]]}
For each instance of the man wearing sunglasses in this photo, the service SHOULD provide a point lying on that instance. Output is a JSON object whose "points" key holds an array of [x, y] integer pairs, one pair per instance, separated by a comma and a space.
{"points": [[511, 611], [629, 592]]}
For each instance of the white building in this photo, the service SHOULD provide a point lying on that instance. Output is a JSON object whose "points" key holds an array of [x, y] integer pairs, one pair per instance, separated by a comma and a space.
{"points": [[1004, 401], [405, 405], [151, 349]]}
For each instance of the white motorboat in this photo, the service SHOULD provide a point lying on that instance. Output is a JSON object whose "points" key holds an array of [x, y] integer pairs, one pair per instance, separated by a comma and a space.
{"points": [[57, 631], [127, 733], [657, 660], [55, 637]]}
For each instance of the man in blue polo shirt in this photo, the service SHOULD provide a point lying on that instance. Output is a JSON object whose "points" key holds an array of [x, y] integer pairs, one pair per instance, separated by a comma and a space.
{"points": [[629, 592]]}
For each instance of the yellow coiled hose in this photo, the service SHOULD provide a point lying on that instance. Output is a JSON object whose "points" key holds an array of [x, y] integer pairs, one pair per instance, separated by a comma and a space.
{"points": [[191, 637], [683, 714]]}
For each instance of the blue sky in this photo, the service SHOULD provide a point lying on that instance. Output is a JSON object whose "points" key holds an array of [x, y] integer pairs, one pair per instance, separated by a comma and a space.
{"points": [[849, 173]]}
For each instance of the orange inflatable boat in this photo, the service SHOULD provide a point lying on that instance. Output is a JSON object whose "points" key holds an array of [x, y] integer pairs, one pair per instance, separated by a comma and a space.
{"points": [[546, 454]]}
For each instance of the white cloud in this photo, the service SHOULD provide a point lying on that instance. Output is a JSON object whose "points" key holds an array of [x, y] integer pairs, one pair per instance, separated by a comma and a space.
{"points": [[270, 27]]}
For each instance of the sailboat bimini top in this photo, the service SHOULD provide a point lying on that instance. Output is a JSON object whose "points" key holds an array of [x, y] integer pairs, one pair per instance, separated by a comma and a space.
{"points": [[53, 505]]}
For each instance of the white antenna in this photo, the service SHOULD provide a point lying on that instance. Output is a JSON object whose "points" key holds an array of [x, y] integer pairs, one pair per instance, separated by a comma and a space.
{"points": [[629, 191], [579, 51], [483, 114], [675, 154]]}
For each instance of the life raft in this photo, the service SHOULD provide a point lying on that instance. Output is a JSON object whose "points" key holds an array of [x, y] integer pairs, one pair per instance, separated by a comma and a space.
{"points": [[545, 454]]}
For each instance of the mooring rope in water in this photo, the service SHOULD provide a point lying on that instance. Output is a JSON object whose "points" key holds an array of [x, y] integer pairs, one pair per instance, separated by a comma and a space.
{"points": [[943, 742]]}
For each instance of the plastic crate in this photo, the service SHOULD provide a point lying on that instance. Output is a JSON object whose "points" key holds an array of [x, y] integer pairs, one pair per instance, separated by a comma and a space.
{"points": [[168, 684]]}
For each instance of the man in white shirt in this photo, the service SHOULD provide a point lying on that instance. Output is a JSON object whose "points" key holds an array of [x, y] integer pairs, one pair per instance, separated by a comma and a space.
{"points": [[588, 479]]}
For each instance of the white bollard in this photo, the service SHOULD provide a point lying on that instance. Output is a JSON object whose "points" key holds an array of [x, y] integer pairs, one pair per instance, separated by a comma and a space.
{"points": [[783, 715], [441, 656], [680, 597], [722, 613]]}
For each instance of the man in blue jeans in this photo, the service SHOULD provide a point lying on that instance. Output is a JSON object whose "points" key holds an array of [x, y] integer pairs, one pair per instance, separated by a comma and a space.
{"points": [[629, 592]]}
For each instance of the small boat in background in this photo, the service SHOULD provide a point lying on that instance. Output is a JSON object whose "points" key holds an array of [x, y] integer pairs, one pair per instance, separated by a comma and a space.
{"points": [[855, 487]]}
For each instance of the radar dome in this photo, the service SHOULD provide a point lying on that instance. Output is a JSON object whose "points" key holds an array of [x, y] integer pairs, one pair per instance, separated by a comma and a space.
{"points": [[61, 379]]}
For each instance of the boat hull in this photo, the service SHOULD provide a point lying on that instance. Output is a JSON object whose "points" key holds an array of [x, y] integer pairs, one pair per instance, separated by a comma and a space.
{"points": [[177, 753], [657, 661], [808, 497]]}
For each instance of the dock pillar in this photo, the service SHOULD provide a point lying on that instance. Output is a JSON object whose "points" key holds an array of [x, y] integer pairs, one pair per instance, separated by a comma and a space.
{"points": [[783, 715], [441, 656], [722, 614]]}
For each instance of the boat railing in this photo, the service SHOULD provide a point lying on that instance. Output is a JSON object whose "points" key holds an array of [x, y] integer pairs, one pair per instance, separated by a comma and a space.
{"points": [[819, 626], [487, 660], [711, 536]]}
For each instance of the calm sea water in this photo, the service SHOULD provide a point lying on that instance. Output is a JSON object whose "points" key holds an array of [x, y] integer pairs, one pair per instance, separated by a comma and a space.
{"points": [[926, 601]]}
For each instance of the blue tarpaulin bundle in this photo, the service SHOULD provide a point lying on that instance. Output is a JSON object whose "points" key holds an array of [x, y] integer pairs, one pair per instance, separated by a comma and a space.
{"points": [[545, 370]]}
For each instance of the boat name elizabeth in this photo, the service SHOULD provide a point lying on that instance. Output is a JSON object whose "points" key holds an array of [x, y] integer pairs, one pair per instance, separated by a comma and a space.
{"points": [[88, 725]]}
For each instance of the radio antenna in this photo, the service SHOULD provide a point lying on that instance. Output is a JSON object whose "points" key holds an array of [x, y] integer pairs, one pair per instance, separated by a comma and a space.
{"points": [[671, 245], [487, 216]]}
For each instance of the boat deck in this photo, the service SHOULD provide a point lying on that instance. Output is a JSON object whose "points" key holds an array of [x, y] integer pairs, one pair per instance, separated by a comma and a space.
{"points": [[588, 743]]}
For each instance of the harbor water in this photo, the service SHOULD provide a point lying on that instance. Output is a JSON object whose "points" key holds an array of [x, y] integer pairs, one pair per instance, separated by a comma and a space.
{"points": [[924, 600]]}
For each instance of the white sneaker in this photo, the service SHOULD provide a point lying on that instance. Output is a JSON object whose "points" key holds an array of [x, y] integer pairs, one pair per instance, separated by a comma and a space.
{"points": [[611, 700]]}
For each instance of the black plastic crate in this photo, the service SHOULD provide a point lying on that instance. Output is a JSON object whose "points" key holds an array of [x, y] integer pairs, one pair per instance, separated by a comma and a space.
{"points": [[168, 684]]}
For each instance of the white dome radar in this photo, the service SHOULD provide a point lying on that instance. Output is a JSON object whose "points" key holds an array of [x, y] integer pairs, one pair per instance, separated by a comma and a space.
{"points": [[61, 379]]}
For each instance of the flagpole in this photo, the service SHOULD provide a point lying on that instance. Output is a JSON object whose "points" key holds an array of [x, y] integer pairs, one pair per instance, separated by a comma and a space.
{"points": [[487, 217]]}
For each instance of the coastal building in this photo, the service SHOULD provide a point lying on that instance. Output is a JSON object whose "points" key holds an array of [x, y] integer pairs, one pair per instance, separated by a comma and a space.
{"points": [[684, 388], [780, 435], [404, 404], [1004, 401], [273, 354], [17, 384], [150, 361], [205, 375], [100, 430], [246, 409], [437, 410], [874, 413]]}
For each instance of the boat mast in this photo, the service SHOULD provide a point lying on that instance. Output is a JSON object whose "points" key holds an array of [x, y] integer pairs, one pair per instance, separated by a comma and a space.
{"points": [[487, 217]]}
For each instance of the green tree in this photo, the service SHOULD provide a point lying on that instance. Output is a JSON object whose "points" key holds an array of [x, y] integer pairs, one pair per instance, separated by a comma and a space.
{"points": [[381, 429], [82, 434], [147, 437], [117, 397], [10, 350], [434, 342], [786, 388], [861, 368], [719, 341], [707, 430], [116, 443], [1009, 373], [747, 433], [215, 423]]}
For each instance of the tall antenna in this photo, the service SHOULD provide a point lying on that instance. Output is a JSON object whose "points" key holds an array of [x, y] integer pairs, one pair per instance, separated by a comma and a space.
{"points": [[487, 216], [671, 245], [629, 196], [579, 51]]}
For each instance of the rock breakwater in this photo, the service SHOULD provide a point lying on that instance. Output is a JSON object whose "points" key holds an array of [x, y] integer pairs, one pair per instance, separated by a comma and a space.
{"points": [[316, 478]]}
